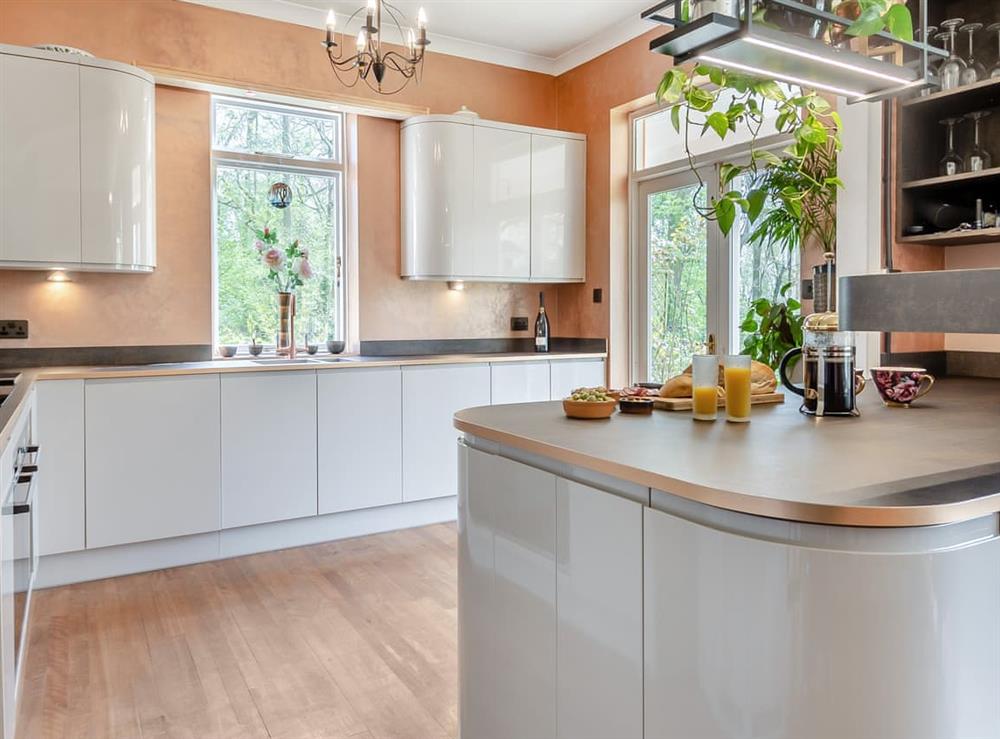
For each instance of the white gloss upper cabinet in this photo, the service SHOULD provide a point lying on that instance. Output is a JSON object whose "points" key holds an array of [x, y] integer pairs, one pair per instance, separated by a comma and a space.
{"points": [[558, 207], [118, 191], [437, 196], [501, 245], [40, 152], [152, 458], [490, 201], [268, 447], [431, 396], [360, 438], [76, 163]]}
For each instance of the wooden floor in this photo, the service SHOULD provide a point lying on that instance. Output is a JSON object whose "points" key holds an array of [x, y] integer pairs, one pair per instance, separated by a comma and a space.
{"points": [[353, 638]]}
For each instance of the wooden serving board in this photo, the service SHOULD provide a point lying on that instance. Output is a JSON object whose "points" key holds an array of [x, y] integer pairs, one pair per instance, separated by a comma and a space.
{"points": [[684, 404]]}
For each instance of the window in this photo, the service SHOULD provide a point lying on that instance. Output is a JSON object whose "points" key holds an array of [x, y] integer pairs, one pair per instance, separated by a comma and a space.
{"points": [[255, 145], [691, 286]]}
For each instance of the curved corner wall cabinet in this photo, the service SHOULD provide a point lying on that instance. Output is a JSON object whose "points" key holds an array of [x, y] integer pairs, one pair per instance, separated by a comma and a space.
{"points": [[491, 202], [77, 171]]}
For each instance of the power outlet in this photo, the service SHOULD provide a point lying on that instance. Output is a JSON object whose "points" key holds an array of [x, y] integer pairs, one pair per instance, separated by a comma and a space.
{"points": [[13, 329], [519, 323]]}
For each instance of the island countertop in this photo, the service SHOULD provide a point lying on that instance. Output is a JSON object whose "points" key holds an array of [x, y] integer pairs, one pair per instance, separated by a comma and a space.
{"points": [[934, 463]]}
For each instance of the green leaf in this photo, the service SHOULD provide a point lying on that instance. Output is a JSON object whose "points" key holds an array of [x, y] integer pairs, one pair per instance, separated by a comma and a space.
{"points": [[749, 325], [756, 200], [769, 89], [675, 117], [725, 214], [868, 23], [899, 22], [768, 157], [717, 76], [719, 123], [671, 86]]}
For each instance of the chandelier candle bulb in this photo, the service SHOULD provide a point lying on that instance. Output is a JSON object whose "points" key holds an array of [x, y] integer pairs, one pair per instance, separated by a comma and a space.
{"points": [[422, 19]]}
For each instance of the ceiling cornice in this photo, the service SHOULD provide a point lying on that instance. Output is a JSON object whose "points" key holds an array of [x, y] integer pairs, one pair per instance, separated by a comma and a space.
{"points": [[288, 11]]}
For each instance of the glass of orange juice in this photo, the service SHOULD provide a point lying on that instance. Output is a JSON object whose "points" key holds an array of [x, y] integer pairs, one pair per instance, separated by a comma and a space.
{"points": [[737, 380], [705, 386]]}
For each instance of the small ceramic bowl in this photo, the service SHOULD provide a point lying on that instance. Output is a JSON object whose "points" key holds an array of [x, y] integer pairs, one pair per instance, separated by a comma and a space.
{"points": [[639, 406], [589, 408], [312, 348], [335, 347], [255, 349], [900, 386], [228, 350]]}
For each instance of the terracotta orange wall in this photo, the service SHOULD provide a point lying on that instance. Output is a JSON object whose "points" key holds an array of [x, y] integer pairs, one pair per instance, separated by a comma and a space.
{"points": [[588, 98], [173, 306]]}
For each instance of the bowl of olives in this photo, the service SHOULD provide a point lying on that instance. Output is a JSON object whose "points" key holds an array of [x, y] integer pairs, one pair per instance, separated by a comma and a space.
{"points": [[593, 402]]}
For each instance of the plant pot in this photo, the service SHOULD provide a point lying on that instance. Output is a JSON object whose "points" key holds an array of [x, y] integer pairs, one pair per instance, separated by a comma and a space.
{"points": [[848, 10], [286, 325], [255, 349], [797, 23]]}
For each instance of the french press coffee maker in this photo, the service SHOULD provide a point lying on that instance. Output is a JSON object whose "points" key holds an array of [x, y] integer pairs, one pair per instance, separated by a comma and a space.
{"points": [[830, 382]]}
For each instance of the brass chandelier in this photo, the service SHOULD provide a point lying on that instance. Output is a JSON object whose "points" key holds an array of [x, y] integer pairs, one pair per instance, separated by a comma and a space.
{"points": [[371, 63]]}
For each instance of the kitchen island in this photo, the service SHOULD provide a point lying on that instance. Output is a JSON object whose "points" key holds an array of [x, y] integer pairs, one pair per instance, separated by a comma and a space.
{"points": [[790, 578]]}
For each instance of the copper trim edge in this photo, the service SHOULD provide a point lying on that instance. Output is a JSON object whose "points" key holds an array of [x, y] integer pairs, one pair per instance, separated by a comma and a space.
{"points": [[755, 505]]}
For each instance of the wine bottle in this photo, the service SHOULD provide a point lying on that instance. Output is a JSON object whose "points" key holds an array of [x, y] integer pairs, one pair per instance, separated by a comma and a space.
{"points": [[541, 326]]}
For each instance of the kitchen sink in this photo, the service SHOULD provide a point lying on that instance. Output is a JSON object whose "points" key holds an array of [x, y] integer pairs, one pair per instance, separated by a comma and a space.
{"points": [[282, 360]]}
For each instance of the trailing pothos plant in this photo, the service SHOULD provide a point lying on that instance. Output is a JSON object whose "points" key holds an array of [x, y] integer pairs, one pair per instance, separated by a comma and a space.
{"points": [[710, 99], [879, 15]]}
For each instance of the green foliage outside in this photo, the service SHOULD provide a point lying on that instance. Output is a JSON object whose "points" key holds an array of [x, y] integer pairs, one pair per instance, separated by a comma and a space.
{"points": [[247, 297]]}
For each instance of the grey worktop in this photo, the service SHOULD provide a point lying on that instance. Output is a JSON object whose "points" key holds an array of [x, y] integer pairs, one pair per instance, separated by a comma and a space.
{"points": [[936, 462], [11, 408]]}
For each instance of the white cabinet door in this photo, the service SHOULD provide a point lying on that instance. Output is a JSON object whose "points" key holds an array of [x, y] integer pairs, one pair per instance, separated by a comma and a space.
{"points": [[153, 458], [599, 596], [360, 438], [268, 447], [502, 244], [525, 571], [432, 394], [519, 382], [436, 198], [8, 661], [41, 154], [116, 133], [558, 208], [569, 374], [59, 500]]}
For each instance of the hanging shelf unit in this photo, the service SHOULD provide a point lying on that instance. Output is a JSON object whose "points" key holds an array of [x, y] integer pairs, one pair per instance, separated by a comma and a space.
{"points": [[879, 66]]}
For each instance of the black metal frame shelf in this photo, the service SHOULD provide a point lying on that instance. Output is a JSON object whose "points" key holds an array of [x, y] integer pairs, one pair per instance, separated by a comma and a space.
{"points": [[761, 48]]}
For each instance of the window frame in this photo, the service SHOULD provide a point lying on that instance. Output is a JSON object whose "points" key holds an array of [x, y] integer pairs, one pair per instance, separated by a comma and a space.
{"points": [[336, 169], [724, 249]]}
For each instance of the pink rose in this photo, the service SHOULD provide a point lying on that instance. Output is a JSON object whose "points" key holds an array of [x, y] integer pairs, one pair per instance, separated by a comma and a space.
{"points": [[273, 258], [259, 245], [303, 268]]}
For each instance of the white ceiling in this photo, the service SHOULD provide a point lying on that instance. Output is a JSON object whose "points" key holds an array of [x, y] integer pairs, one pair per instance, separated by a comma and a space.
{"points": [[550, 36]]}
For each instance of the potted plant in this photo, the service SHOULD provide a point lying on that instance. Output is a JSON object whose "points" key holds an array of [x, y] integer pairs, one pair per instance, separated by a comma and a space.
{"points": [[773, 327]]}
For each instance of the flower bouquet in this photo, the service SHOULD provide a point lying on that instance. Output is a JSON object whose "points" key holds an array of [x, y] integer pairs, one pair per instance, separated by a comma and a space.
{"points": [[288, 267]]}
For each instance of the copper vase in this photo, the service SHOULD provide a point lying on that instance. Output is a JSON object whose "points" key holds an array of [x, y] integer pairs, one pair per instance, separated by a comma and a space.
{"points": [[286, 325]]}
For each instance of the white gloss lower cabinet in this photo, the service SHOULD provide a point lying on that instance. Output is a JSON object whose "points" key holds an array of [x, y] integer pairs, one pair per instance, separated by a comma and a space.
{"points": [[524, 550], [153, 458], [268, 447], [519, 382], [61, 507], [599, 597], [360, 438], [569, 374], [478, 473], [431, 396]]}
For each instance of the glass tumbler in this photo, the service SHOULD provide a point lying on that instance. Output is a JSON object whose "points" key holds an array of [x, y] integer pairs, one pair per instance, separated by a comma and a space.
{"points": [[705, 387], [737, 379]]}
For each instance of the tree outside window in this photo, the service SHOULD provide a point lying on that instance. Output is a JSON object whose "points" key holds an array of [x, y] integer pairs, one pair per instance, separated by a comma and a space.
{"points": [[254, 146]]}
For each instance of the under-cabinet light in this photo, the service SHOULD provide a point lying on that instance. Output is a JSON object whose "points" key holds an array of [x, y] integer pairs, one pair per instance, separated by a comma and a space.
{"points": [[456, 285], [59, 275]]}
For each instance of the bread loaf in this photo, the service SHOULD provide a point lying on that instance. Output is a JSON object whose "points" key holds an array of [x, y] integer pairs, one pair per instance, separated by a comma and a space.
{"points": [[762, 381]]}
